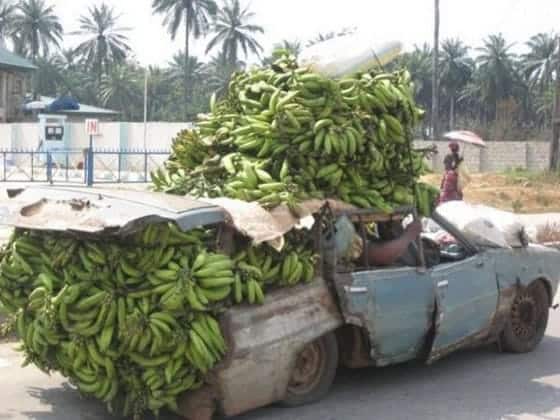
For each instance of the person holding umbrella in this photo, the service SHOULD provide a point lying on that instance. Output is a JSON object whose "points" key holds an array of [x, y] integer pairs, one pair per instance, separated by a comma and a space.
{"points": [[456, 175], [450, 189]]}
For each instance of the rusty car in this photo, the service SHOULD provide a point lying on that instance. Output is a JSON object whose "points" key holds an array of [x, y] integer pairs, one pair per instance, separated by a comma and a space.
{"points": [[289, 349]]}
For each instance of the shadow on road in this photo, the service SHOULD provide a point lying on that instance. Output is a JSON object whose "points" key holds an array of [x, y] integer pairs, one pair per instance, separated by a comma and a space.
{"points": [[65, 403], [478, 384]]}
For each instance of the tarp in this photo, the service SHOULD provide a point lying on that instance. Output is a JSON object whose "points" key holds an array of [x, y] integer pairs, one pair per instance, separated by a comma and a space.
{"points": [[261, 225], [64, 103]]}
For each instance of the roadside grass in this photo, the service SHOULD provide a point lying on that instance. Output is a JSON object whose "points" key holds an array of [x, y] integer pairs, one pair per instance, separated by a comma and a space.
{"points": [[517, 176]]}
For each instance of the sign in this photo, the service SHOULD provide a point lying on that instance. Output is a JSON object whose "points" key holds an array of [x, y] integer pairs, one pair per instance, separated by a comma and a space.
{"points": [[92, 127]]}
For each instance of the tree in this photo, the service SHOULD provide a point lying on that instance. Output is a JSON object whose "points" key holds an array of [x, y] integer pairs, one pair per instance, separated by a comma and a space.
{"points": [[419, 64], [196, 73], [322, 37], [195, 14], [435, 73], [220, 71], [540, 62], [233, 31], [285, 47], [7, 15], [106, 44], [456, 71], [37, 27], [120, 89], [497, 74], [50, 76]]}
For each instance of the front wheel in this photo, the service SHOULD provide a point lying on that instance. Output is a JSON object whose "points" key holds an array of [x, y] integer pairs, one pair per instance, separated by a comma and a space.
{"points": [[313, 373], [527, 321]]}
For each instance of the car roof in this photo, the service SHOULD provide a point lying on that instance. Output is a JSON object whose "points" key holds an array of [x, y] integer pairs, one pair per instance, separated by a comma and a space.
{"points": [[96, 210]]}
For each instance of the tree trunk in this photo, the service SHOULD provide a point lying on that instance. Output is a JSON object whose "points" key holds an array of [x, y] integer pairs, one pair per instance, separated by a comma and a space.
{"points": [[435, 74], [452, 113], [187, 78]]}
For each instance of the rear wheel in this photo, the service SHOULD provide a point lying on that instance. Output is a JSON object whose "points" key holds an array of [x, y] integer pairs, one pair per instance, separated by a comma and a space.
{"points": [[313, 372], [528, 319]]}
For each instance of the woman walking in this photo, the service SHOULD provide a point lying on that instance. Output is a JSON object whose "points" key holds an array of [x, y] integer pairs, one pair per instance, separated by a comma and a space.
{"points": [[451, 188]]}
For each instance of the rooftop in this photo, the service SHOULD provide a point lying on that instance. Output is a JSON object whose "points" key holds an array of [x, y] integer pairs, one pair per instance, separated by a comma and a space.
{"points": [[84, 109], [9, 60]]}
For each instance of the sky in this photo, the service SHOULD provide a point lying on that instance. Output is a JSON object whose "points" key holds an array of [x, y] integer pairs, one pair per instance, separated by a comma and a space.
{"points": [[408, 21]]}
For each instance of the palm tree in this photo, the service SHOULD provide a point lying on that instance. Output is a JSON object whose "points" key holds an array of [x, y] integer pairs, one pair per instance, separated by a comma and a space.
{"points": [[456, 71], [178, 67], [106, 44], [322, 37], [120, 89], [497, 73], [233, 31], [292, 47], [37, 27], [7, 14], [541, 60], [195, 14], [419, 63], [220, 71], [50, 76]]}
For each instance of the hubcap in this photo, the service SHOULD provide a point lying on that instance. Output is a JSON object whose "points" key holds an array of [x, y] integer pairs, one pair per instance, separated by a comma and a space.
{"points": [[308, 368], [525, 316]]}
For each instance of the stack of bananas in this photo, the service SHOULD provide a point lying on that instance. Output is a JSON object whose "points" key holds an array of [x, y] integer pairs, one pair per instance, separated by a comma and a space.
{"points": [[132, 321], [284, 134]]}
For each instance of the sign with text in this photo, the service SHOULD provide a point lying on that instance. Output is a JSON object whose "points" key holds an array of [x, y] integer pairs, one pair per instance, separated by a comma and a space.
{"points": [[92, 127]]}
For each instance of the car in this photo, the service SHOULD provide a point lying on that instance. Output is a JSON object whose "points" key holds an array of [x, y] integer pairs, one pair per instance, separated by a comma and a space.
{"points": [[435, 301]]}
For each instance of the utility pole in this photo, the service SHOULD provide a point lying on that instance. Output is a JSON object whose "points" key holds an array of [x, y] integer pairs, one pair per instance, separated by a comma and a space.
{"points": [[555, 144], [145, 106], [435, 74]]}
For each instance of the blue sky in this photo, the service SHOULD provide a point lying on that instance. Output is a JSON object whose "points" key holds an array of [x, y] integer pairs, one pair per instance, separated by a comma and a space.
{"points": [[409, 21]]}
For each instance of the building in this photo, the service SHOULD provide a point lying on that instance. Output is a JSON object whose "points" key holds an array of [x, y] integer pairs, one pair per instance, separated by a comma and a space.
{"points": [[14, 81]]}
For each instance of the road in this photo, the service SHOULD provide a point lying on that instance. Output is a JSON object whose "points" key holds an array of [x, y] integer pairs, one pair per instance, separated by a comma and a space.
{"points": [[480, 384]]}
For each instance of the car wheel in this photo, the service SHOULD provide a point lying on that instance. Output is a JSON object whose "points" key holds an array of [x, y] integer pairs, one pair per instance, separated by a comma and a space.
{"points": [[528, 319], [313, 372]]}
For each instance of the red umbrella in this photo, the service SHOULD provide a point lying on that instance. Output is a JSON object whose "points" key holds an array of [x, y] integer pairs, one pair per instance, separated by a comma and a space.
{"points": [[465, 137]]}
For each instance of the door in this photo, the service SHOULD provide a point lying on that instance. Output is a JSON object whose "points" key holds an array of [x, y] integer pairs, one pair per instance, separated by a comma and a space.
{"points": [[395, 305], [467, 298]]}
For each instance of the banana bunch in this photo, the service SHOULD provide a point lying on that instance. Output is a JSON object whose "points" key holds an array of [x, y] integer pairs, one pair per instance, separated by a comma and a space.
{"points": [[284, 134], [132, 321]]}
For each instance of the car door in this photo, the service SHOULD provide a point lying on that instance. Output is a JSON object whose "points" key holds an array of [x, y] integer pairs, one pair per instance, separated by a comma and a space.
{"points": [[467, 298], [395, 305]]}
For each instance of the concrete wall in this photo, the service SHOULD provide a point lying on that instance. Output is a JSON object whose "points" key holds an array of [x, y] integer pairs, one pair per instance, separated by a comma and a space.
{"points": [[497, 156]]}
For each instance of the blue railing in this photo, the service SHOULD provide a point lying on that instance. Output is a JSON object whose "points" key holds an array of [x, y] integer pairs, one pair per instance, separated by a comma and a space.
{"points": [[80, 166]]}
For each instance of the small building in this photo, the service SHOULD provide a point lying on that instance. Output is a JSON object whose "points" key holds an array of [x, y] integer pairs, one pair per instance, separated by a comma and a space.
{"points": [[14, 81], [79, 114]]}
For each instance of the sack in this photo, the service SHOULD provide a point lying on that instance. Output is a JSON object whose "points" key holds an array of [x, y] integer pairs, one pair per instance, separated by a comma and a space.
{"points": [[349, 54], [476, 228]]}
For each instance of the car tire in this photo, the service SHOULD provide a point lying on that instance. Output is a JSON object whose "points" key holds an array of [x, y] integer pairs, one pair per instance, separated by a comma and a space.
{"points": [[313, 373], [527, 320]]}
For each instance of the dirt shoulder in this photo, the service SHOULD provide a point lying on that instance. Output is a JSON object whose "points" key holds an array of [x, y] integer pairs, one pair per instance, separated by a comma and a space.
{"points": [[517, 191]]}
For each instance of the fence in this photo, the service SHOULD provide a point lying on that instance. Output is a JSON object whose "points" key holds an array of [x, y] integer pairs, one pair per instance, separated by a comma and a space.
{"points": [[496, 156], [85, 166]]}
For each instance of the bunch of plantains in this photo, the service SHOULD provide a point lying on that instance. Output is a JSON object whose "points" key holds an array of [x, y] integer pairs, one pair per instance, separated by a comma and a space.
{"points": [[132, 321], [285, 134]]}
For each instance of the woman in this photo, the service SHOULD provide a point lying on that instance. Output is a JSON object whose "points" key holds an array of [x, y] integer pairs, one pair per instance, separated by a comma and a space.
{"points": [[451, 189]]}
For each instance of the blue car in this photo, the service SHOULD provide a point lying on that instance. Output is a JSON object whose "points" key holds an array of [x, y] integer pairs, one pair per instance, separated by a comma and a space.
{"points": [[288, 350]]}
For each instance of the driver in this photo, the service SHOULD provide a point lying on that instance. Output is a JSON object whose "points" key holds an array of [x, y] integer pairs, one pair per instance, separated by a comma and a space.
{"points": [[382, 252]]}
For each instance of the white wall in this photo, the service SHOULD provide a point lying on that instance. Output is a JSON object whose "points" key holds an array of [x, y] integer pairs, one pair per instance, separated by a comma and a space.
{"points": [[113, 135]]}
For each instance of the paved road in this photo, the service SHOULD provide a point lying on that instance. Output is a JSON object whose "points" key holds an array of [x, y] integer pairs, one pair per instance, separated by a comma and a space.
{"points": [[481, 384]]}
